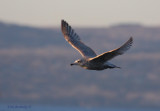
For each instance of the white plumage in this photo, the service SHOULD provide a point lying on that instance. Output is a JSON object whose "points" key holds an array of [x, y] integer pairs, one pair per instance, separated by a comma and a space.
{"points": [[89, 58]]}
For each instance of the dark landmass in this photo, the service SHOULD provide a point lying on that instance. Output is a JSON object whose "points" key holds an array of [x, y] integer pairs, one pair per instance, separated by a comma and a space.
{"points": [[34, 67]]}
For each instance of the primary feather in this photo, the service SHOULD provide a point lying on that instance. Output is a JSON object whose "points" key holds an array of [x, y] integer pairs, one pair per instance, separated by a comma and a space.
{"points": [[75, 41], [113, 53]]}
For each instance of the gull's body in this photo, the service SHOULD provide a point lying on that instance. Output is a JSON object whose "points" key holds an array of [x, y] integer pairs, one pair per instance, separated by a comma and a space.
{"points": [[89, 59]]}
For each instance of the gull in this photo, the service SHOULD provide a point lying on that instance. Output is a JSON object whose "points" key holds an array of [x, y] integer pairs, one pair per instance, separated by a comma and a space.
{"points": [[90, 60]]}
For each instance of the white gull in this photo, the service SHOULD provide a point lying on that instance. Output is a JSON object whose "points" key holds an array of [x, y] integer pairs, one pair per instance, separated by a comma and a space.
{"points": [[89, 59]]}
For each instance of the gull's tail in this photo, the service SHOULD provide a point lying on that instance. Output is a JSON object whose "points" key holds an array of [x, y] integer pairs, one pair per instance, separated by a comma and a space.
{"points": [[109, 65]]}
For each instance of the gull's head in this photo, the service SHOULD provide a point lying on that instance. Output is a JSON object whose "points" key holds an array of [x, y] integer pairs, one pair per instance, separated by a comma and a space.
{"points": [[79, 62]]}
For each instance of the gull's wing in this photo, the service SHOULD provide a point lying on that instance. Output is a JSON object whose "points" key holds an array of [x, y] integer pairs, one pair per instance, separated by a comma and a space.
{"points": [[111, 54], [74, 40]]}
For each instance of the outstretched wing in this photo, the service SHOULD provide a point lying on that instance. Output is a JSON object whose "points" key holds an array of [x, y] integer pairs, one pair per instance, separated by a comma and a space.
{"points": [[75, 40], [111, 54]]}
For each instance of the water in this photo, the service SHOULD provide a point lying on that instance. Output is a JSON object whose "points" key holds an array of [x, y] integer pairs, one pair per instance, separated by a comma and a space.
{"points": [[53, 108]]}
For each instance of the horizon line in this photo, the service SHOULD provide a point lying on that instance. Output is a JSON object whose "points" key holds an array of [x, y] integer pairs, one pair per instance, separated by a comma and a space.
{"points": [[78, 26]]}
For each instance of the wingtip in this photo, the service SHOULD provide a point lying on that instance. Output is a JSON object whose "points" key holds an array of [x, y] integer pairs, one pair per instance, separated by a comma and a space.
{"points": [[131, 38], [64, 24], [62, 21]]}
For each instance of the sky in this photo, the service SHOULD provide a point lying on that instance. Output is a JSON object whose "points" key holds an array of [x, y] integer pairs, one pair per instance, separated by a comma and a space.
{"points": [[86, 13]]}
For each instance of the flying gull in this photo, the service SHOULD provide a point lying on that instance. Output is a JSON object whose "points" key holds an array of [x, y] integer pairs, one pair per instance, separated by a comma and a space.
{"points": [[89, 59]]}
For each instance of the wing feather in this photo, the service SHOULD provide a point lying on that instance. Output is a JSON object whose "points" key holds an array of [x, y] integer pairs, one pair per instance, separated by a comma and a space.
{"points": [[113, 53], [74, 40]]}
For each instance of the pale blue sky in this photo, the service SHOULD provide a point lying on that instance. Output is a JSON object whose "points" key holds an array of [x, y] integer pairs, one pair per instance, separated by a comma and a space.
{"points": [[101, 13]]}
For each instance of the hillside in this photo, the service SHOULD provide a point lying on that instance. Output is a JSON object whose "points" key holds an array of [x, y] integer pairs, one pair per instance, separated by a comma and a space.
{"points": [[34, 67]]}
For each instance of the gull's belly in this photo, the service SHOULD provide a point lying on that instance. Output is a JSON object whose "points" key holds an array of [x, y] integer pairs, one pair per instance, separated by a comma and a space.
{"points": [[93, 66]]}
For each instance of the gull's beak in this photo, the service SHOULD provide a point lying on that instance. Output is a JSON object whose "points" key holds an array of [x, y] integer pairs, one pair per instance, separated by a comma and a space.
{"points": [[73, 64]]}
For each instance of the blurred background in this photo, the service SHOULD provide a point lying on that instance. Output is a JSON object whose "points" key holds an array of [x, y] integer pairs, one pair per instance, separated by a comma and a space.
{"points": [[35, 59]]}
